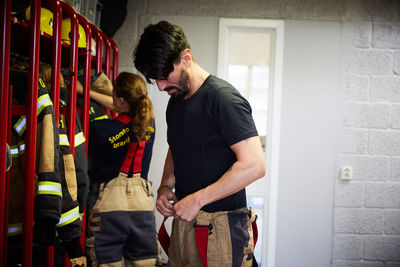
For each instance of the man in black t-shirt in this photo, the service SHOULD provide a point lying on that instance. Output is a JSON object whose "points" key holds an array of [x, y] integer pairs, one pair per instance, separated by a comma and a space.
{"points": [[214, 153]]}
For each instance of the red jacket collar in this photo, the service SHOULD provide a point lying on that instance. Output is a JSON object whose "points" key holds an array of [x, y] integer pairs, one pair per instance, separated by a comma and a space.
{"points": [[124, 118]]}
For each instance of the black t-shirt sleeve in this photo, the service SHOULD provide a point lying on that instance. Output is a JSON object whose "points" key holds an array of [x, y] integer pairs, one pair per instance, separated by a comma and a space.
{"points": [[232, 113]]}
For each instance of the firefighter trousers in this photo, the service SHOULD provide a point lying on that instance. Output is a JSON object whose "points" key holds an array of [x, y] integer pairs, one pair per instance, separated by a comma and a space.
{"points": [[229, 240], [121, 225]]}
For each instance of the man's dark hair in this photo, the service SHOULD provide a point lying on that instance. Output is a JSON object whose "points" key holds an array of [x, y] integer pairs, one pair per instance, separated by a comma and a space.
{"points": [[159, 47]]}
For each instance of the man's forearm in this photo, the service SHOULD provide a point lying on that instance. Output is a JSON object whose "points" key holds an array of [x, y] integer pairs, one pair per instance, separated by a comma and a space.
{"points": [[249, 167], [168, 178]]}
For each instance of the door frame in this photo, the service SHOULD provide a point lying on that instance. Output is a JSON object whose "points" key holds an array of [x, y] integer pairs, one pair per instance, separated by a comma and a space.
{"points": [[273, 118]]}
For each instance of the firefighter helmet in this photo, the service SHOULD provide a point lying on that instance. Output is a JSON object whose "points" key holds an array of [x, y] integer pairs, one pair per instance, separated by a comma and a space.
{"points": [[46, 19], [66, 30]]}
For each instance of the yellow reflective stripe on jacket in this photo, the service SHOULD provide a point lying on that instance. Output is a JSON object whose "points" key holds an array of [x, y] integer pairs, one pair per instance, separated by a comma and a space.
{"points": [[15, 229], [49, 188], [68, 217], [43, 101], [64, 140], [79, 139], [14, 151], [17, 150], [81, 215], [104, 117], [20, 125], [21, 147]]}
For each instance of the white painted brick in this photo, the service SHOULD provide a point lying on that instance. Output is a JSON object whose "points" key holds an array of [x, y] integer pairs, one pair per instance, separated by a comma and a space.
{"points": [[382, 195], [347, 247], [136, 6], [231, 8], [129, 29], [386, 35], [392, 222], [375, 10], [353, 141], [313, 9], [396, 62], [126, 54], [385, 89], [384, 248], [357, 264], [357, 33], [358, 221], [356, 87], [366, 115], [369, 168], [384, 142], [394, 169], [329, 9], [375, 62], [395, 116], [125, 68], [349, 194]]}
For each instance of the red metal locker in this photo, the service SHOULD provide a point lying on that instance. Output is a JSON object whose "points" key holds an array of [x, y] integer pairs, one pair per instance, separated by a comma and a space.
{"points": [[58, 8]]}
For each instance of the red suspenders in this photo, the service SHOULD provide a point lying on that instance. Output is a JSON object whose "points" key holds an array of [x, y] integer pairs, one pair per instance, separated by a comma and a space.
{"points": [[163, 236], [135, 151], [202, 242], [135, 154]]}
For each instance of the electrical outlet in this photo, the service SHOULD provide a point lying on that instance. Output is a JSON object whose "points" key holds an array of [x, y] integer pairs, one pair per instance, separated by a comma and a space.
{"points": [[346, 173]]}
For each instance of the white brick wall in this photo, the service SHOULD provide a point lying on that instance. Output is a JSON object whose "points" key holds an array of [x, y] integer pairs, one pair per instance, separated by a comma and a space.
{"points": [[366, 226], [395, 169], [348, 247], [385, 88], [358, 221], [357, 264], [367, 208], [395, 116], [369, 61], [357, 87], [366, 115], [382, 248], [365, 167]]}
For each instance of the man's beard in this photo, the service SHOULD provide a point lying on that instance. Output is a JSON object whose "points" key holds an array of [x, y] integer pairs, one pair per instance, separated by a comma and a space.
{"points": [[183, 89]]}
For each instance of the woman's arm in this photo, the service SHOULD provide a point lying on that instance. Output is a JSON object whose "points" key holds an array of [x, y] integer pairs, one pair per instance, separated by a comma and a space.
{"points": [[105, 100]]}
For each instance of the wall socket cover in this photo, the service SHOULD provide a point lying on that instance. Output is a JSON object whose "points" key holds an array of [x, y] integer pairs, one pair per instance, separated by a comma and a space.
{"points": [[346, 173]]}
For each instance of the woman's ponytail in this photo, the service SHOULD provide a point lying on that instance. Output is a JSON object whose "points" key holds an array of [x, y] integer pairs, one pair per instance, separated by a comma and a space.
{"points": [[132, 88]]}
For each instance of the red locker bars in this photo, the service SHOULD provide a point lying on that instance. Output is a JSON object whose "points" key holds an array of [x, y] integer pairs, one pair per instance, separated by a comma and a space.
{"points": [[86, 76], [59, 10], [115, 60], [107, 60], [55, 85], [114, 47], [5, 10], [56, 63], [86, 96], [30, 137], [69, 11], [99, 47]]}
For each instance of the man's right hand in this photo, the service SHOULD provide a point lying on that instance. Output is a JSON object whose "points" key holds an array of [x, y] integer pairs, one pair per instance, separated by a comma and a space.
{"points": [[164, 198]]}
